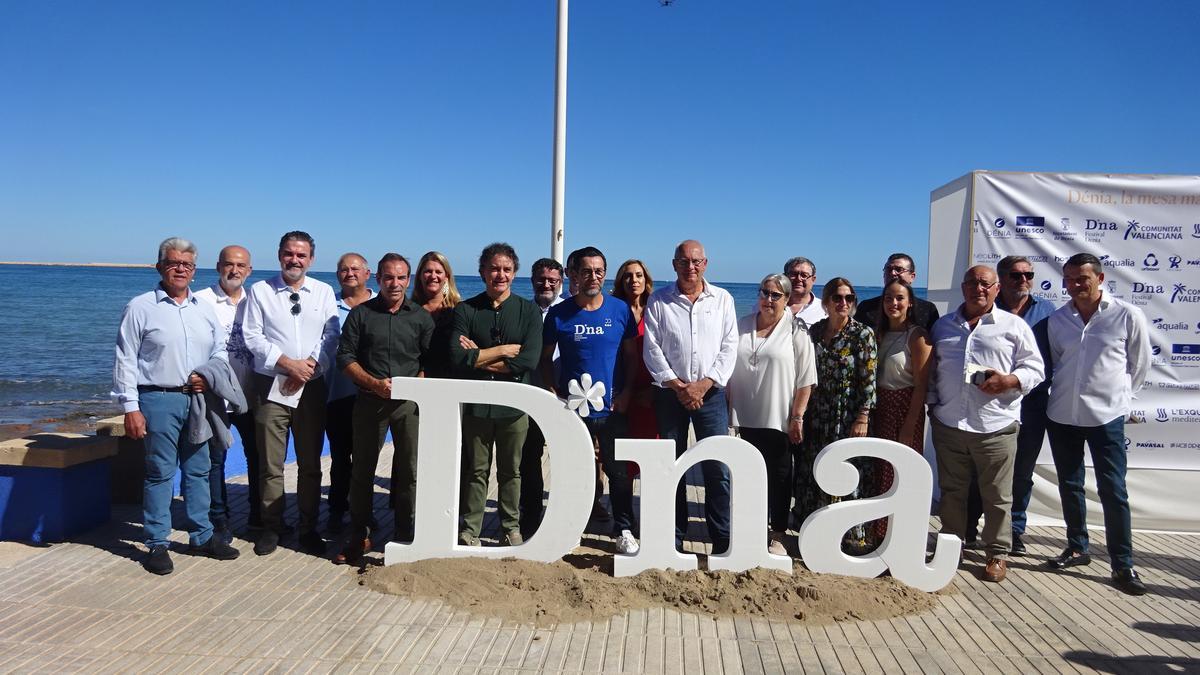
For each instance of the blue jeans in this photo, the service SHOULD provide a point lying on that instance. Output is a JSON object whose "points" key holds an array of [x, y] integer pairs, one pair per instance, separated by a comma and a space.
{"points": [[1029, 446], [1107, 445], [606, 430], [167, 449], [712, 419]]}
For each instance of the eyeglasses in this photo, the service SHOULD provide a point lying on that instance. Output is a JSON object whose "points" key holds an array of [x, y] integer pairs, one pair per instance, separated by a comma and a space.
{"points": [[770, 295], [803, 276], [980, 283], [178, 265], [896, 269], [295, 298], [1017, 276], [690, 262], [847, 298], [598, 273]]}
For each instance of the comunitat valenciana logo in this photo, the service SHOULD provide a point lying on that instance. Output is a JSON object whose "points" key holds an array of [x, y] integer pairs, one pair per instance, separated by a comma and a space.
{"points": [[1182, 293], [1135, 230]]}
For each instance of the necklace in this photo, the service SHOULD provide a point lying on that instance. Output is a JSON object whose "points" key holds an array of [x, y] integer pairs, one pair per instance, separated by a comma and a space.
{"points": [[755, 349]]}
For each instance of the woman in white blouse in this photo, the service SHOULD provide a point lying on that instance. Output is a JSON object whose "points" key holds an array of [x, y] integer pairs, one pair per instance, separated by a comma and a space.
{"points": [[768, 393]]}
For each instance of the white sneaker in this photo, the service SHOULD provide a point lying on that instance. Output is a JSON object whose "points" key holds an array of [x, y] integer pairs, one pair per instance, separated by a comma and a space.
{"points": [[775, 544], [626, 544]]}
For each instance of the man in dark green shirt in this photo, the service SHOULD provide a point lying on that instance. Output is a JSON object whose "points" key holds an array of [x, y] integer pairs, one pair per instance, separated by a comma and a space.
{"points": [[497, 336], [382, 338]]}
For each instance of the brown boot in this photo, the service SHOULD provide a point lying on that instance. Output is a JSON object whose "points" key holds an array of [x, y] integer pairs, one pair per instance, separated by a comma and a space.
{"points": [[995, 571]]}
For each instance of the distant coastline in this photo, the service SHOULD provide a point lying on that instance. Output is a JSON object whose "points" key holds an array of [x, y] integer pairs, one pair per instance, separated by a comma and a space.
{"points": [[73, 264]]}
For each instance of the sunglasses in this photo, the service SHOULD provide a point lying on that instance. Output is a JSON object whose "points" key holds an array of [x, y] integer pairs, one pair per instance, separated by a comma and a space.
{"points": [[295, 298], [773, 296], [847, 298], [1017, 276]]}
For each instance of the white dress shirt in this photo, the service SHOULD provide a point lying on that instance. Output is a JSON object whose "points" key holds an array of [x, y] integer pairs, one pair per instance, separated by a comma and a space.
{"points": [[1000, 341], [812, 313], [1097, 366], [160, 343], [271, 330], [689, 341], [231, 315], [768, 372]]}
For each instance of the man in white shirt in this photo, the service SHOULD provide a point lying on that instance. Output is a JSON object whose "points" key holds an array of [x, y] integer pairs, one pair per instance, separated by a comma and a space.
{"points": [[802, 303], [292, 329], [1100, 354], [984, 361], [227, 298], [690, 348], [353, 271]]}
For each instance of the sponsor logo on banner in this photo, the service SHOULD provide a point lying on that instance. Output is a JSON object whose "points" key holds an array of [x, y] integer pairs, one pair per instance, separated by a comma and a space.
{"points": [[1110, 262], [1094, 230], [1185, 355], [1175, 261], [1162, 415], [1137, 416], [1162, 324], [1064, 231], [1135, 230], [1186, 445], [1147, 444], [1042, 258], [998, 230], [1029, 227], [1180, 386], [1179, 415], [1046, 285], [987, 257], [1183, 293], [1196, 231], [1141, 293], [1112, 286], [1150, 262], [1193, 263]]}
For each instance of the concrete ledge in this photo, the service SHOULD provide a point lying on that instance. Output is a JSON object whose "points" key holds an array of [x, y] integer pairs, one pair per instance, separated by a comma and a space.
{"points": [[56, 451]]}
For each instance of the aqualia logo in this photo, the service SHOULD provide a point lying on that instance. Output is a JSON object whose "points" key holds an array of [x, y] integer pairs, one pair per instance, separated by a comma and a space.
{"points": [[1162, 324]]}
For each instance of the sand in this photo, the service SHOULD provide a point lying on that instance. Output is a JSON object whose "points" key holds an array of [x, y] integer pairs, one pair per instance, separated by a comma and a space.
{"points": [[581, 588]]}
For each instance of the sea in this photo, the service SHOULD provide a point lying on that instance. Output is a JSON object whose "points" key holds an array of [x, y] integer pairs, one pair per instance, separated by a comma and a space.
{"points": [[62, 325]]}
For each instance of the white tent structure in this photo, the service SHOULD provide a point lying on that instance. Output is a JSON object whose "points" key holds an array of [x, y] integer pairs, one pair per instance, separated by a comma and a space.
{"points": [[1146, 230]]}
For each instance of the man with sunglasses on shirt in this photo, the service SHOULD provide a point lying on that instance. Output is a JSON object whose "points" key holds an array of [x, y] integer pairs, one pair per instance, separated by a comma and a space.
{"points": [[291, 327], [804, 306], [898, 266], [497, 335]]}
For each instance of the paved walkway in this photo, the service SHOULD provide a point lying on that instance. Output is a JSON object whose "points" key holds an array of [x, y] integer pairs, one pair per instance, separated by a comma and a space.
{"points": [[88, 606]]}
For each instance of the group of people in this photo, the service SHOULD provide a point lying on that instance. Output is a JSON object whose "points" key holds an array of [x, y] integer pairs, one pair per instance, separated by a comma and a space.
{"points": [[290, 354]]}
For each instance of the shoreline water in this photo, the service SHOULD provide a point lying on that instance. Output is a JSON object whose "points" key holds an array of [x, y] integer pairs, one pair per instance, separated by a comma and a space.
{"points": [[75, 264]]}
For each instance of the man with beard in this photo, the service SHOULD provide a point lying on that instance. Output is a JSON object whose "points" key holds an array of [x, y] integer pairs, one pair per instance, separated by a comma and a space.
{"points": [[227, 298], [292, 330], [898, 266]]}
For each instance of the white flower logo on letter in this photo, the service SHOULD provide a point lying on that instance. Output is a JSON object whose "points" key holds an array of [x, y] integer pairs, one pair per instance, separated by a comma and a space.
{"points": [[582, 393]]}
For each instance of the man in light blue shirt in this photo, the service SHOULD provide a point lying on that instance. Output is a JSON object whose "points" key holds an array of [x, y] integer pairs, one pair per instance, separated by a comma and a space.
{"points": [[165, 335]]}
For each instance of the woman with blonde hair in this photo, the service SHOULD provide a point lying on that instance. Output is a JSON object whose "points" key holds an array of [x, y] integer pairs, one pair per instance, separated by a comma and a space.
{"points": [[435, 290]]}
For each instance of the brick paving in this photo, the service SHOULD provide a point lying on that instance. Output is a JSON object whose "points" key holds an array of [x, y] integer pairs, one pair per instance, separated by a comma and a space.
{"points": [[87, 605]]}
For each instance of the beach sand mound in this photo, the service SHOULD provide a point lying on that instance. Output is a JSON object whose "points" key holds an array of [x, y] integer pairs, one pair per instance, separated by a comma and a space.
{"points": [[580, 588]]}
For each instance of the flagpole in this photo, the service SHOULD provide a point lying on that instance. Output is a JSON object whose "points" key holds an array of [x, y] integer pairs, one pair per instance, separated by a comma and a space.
{"points": [[557, 228]]}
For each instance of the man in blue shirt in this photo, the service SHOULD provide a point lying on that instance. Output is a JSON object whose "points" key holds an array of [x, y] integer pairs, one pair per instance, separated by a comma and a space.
{"points": [[165, 335], [1016, 296], [596, 336]]}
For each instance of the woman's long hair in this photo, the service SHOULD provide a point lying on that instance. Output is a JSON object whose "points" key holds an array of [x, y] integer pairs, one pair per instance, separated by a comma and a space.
{"points": [[450, 295], [910, 316], [619, 291]]}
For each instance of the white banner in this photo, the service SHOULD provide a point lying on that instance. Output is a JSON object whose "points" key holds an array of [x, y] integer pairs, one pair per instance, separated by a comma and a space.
{"points": [[1146, 230]]}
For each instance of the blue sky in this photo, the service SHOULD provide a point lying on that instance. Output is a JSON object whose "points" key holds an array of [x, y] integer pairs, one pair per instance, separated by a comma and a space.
{"points": [[765, 129]]}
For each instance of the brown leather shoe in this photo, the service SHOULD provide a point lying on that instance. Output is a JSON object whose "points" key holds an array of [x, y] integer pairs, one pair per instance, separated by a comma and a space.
{"points": [[352, 553], [995, 571]]}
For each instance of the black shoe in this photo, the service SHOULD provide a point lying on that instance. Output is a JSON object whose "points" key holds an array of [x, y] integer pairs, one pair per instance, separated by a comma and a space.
{"points": [[216, 548], [267, 542], [312, 543], [1018, 546], [1129, 582], [158, 561], [1069, 558]]}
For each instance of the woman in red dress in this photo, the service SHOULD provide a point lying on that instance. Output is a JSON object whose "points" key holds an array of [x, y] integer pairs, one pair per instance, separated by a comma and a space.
{"points": [[634, 285]]}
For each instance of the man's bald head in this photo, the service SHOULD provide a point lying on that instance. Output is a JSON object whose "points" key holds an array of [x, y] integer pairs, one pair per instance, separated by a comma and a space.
{"points": [[233, 268]]}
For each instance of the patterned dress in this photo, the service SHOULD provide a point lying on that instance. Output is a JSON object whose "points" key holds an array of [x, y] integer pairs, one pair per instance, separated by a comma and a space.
{"points": [[845, 385], [887, 419]]}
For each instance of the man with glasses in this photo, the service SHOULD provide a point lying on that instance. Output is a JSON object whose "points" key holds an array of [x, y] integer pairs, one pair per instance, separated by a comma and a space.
{"points": [[802, 303], [546, 277], [227, 299], [382, 338], [165, 335], [690, 347], [596, 335], [898, 266], [497, 335], [292, 330], [353, 271], [984, 360], [1016, 284], [1100, 354]]}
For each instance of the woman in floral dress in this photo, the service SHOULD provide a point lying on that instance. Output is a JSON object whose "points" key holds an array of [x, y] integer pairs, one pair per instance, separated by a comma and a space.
{"points": [[842, 401]]}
